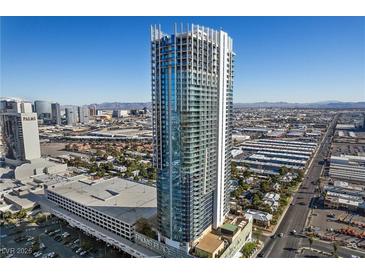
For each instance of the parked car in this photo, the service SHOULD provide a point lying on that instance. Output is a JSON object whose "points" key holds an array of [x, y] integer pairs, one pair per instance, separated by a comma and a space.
{"points": [[52, 233], [37, 254], [51, 254], [66, 234], [30, 239]]}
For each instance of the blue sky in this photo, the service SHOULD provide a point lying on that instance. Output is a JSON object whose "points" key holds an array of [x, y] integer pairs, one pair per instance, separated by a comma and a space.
{"points": [[83, 60]]}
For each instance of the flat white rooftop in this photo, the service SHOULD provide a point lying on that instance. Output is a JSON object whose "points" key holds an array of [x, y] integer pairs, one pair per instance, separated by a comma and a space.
{"points": [[116, 197]]}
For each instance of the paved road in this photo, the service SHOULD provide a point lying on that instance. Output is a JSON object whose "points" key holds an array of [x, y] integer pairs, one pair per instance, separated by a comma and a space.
{"points": [[295, 217]]}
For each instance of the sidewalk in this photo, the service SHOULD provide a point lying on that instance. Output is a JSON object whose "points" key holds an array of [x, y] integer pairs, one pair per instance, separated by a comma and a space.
{"points": [[267, 233]]}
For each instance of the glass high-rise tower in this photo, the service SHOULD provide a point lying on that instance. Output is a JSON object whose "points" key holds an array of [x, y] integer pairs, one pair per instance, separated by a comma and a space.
{"points": [[192, 85]]}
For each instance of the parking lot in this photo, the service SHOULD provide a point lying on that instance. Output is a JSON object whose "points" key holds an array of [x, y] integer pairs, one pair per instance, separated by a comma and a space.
{"points": [[338, 225], [53, 238], [347, 148]]}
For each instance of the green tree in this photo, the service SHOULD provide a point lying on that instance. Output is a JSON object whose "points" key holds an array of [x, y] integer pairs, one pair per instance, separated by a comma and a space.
{"points": [[7, 215], [310, 240], [234, 170], [283, 170], [274, 179], [256, 200], [143, 171], [246, 173], [144, 227], [265, 186], [128, 173], [152, 173], [265, 207], [99, 153], [93, 168], [100, 173], [21, 214], [108, 166], [248, 249]]}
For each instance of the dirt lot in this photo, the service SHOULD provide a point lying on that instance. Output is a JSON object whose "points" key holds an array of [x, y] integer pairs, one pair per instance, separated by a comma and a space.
{"points": [[57, 149], [52, 149]]}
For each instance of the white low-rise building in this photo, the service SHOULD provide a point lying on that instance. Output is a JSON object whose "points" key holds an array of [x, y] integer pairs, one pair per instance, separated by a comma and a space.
{"points": [[348, 167], [260, 218], [272, 199], [37, 167]]}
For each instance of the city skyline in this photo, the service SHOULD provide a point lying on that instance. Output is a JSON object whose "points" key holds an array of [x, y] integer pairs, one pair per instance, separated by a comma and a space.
{"points": [[188, 175], [318, 57]]}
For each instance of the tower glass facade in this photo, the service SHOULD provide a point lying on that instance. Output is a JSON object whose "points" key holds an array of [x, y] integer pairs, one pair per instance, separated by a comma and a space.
{"points": [[56, 113], [192, 84]]}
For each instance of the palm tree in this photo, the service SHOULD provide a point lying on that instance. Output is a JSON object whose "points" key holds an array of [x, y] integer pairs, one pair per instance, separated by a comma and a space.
{"points": [[335, 249], [310, 239]]}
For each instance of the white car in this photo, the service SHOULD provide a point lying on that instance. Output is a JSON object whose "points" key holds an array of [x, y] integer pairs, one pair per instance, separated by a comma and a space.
{"points": [[37, 254], [65, 234], [30, 239]]}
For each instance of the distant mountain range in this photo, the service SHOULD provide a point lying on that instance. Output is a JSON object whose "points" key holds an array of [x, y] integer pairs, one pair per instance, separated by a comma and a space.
{"points": [[322, 104]]}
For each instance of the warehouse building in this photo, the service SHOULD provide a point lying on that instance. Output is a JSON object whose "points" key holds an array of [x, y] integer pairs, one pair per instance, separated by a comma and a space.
{"points": [[348, 167], [339, 200], [266, 156]]}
